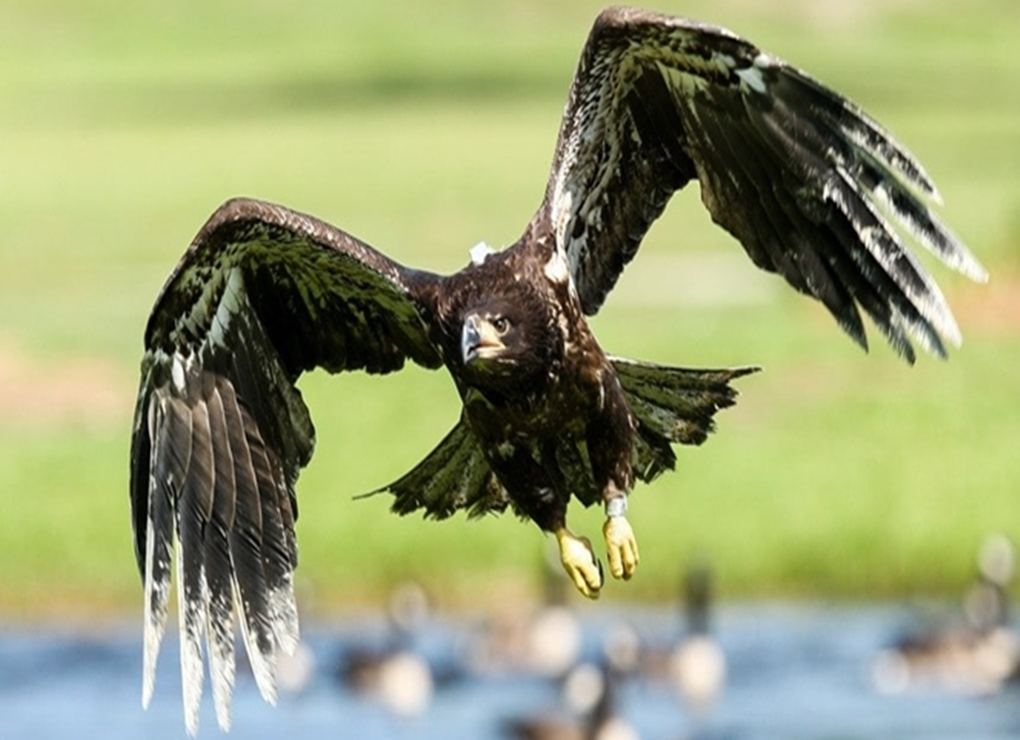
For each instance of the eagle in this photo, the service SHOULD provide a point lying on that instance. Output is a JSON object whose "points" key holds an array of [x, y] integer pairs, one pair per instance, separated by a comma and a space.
{"points": [[811, 186]]}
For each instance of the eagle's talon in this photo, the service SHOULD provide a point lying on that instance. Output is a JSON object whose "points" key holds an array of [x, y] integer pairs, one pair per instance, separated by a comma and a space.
{"points": [[580, 563], [621, 547]]}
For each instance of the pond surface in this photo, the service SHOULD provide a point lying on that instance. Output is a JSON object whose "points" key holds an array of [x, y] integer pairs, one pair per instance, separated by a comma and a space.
{"points": [[792, 672]]}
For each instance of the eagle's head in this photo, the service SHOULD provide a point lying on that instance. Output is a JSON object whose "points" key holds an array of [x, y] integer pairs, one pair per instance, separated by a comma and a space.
{"points": [[506, 340]]}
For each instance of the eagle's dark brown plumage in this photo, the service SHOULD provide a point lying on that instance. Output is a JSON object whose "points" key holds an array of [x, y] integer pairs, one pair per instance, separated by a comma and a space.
{"points": [[802, 178]]}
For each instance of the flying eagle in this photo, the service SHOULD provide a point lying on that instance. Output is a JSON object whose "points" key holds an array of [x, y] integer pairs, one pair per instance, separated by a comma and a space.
{"points": [[812, 188]]}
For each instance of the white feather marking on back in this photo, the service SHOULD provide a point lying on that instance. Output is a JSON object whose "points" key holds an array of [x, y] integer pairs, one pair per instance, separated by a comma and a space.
{"points": [[479, 252]]}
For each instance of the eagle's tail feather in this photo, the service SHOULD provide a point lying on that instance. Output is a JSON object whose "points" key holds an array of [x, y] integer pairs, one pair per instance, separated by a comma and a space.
{"points": [[672, 405], [454, 475]]}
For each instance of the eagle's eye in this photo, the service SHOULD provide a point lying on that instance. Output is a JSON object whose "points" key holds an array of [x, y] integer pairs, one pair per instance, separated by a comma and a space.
{"points": [[501, 324]]}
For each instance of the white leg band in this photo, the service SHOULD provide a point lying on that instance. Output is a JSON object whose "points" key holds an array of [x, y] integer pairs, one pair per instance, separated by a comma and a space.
{"points": [[616, 506]]}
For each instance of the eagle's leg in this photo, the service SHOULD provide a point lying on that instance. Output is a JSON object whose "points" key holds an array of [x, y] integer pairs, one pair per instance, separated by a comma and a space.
{"points": [[580, 562], [621, 544], [549, 512], [535, 494], [610, 438]]}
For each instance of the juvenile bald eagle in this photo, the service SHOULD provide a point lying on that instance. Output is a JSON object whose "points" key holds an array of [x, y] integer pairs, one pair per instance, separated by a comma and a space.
{"points": [[800, 176]]}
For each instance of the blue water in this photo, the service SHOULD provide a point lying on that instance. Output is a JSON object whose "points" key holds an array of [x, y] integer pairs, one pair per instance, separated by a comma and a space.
{"points": [[793, 672]]}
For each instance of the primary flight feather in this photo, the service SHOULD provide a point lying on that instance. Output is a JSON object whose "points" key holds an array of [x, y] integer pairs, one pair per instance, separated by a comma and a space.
{"points": [[811, 187]]}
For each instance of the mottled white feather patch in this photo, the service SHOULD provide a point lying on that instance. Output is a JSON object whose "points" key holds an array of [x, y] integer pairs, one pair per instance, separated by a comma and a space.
{"points": [[562, 203], [751, 77], [557, 269], [195, 321]]}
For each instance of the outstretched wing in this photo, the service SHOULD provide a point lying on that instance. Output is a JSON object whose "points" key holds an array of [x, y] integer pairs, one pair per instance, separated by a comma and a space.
{"points": [[220, 431], [790, 168]]}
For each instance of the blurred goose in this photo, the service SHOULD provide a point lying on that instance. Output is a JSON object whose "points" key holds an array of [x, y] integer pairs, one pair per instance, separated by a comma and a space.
{"points": [[695, 665], [294, 672], [976, 657], [396, 676], [589, 698], [546, 642]]}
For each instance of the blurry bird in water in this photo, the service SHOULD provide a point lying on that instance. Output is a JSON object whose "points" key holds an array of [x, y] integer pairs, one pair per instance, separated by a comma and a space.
{"points": [[545, 642], [295, 672], [589, 693], [397, 676], [695, 665], [977, 657]]}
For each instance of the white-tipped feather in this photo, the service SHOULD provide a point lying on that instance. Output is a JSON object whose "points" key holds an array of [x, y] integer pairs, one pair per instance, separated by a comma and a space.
{"points": [[192, 668], [869, 135], [263, 664], [898, 170], [883, 243], [154, 624], [157, 594], [222, 663], [933, 235], [896, 166], [286, 627]]}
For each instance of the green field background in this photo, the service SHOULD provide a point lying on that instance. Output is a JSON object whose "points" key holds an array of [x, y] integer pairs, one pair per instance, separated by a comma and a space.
{"points": [[424, 128]]}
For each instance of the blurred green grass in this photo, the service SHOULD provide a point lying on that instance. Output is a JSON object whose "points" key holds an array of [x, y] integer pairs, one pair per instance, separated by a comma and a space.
{"points": [[424, 131]]}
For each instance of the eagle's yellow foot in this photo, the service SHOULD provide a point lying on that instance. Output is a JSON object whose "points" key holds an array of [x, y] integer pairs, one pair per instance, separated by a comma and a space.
{"points": [[579, 560], [621, 547]]}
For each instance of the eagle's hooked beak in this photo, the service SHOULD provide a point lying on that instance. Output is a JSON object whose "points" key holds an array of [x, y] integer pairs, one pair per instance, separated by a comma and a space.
{"points": [[478, 338]]}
